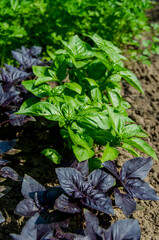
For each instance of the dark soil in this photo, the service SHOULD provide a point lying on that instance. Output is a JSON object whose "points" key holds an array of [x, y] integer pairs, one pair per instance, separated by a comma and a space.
{"points": [[34, 137]]}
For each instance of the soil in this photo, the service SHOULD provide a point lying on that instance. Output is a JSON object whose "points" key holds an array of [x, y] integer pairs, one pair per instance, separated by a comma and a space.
{"points": [[34, 137]]}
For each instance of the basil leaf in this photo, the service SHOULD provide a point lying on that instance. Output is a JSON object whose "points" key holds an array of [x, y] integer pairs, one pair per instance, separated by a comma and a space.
{"points": [[52, 154], [142, 146]]}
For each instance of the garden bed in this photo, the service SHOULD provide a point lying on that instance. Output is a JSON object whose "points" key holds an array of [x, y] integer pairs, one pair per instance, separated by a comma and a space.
{"points": [[34, 137]]}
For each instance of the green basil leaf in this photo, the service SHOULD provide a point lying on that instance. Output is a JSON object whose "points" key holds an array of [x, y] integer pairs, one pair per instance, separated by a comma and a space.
{"points": [[94, 120], [110, 153], [94, 163], [101, 137], [27, 104], [125, 104], [96, 70], [114, 98], [44, 109], [42, 90], [117, 120], [77, 139], [130, 149], [115, 77], [82, 154], [52, 154], [77, 48], [68, 111], [61, 67], [40, 71], [74, 87], [130, 130], [108, 47], [131, 79], [142, 146], [58, 90], [41, 80]]}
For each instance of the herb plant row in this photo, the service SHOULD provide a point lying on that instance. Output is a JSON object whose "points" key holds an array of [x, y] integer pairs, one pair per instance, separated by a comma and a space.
{"points": [[80, 91], [86, 101]]}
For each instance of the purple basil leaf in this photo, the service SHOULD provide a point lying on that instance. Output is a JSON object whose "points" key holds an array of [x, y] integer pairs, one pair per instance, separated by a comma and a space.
{"points": [[25, 59], [43, 230], [71, 181], [3, 162], [140, 189], [99, 201], [82, 238], [101, 180], [1, 90], [26, 208], [125, 202], [110, 166], [65, 204], [8, 97], [15, 74], [29, 231], [19, 120], [136, 168], [82, 167], [17, 56], [35, 51], [6, 145], [30, 185], [32, 230], [50, 236], [92, 224], [10, 68], [47, 198], [9, 172], [2, 219], [124, 230]]}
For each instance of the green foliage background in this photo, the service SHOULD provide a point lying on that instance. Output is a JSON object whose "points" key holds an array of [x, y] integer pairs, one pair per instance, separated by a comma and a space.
{"points": [[45, 22]]}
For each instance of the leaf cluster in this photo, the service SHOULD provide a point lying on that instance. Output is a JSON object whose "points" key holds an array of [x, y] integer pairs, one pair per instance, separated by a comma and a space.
{"points": [[12, 93], [52, 209], [82, 92]]}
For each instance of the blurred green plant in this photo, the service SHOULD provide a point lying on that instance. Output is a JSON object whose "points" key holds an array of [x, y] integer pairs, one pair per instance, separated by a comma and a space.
{"points": [[46, 22]]}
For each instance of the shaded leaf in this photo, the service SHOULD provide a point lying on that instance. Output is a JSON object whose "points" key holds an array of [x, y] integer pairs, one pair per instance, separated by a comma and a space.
{"points": [[110, 166], [92, 224], [30, 185], [65, 204], [125, 202], [6, 145]]}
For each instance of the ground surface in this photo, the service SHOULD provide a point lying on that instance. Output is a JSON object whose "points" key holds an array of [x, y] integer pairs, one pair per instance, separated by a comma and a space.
{"points": [[145, 111]]}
